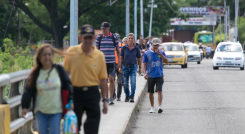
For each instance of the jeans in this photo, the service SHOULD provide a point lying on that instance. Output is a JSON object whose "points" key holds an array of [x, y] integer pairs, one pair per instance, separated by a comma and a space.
{"points": [[48, 123], [129, 72]]}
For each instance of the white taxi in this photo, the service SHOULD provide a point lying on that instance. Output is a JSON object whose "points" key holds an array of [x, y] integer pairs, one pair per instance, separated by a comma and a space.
{"points": [[194, 54], [228, 54]]}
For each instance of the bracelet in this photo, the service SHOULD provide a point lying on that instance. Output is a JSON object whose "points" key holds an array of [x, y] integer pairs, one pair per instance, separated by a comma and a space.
{"points": [[105, 99]]}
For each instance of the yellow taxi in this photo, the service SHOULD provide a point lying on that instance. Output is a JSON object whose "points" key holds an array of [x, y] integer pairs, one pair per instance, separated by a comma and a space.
{"points": [[176, 53]]}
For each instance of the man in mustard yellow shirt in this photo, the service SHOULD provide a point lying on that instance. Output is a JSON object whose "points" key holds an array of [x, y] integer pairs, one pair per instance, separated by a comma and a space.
{"points": [[87, 68]]}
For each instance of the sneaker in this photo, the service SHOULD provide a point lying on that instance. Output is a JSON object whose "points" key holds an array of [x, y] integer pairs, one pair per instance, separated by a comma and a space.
{"points": [[119, 99], [160, 110], [152, 111], [111, 101], [114, 96], [127, 99], [131, 99]]}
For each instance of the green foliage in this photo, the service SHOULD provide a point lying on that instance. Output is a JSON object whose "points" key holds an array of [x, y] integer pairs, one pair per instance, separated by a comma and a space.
{"points": [[217, 38]]}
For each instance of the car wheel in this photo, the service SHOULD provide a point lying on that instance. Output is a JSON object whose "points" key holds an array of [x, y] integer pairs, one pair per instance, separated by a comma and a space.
{"points": [[215, 68], [242, 68], [186, 65], [199, 62], [183, 66]]}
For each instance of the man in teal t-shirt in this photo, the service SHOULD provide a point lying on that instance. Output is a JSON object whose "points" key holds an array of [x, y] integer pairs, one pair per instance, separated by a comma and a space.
{"points": [[153, 72]]}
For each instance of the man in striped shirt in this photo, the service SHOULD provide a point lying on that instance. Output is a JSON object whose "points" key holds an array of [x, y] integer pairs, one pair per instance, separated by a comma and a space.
{"points": [[108, 43]]}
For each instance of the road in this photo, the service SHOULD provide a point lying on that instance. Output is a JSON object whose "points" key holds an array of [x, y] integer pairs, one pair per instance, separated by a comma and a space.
{"points": [[197, 100]]}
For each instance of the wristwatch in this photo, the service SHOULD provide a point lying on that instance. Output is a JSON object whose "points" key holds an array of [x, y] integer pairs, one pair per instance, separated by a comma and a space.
{"points": [[105, 99], [139, 67], [160, 53]]}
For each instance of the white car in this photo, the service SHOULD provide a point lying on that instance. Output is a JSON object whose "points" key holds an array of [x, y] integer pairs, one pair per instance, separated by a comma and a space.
{"points": [[228, 54], [194, 54]]}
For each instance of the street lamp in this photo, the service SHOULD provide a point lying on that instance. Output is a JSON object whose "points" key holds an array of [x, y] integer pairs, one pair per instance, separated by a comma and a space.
{"points": [[152, 6]]}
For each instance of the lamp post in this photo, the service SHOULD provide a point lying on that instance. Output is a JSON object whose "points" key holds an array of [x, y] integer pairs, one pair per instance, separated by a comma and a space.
{"points": [[127, 18], [73, 22]]}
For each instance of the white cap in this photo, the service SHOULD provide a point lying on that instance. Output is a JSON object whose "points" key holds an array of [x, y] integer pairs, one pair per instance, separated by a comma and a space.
{"points": [[156, 41]]}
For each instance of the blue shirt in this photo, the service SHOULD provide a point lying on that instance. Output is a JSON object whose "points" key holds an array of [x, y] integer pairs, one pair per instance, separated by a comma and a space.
{"points": [[129, 57], [154, 64], [107, 47]]}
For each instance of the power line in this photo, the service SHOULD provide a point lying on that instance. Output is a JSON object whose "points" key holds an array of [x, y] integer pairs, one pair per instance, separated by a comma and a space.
{"points": [[8, 21]]}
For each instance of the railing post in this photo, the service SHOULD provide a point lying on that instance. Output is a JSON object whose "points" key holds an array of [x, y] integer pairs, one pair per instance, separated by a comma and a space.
{"points": [[14, 91]]}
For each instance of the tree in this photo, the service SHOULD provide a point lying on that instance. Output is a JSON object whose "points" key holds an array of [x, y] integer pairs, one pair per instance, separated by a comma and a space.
{"points": [[5, 10], [57, 14]]}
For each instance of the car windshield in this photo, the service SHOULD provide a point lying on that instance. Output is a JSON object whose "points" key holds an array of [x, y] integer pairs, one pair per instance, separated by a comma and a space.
{"points": [[229, 48], [173, 47], [192, 48]]}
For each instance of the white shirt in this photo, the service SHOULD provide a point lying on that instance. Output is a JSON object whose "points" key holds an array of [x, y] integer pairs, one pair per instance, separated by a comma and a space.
{"points": [[208, 49]]}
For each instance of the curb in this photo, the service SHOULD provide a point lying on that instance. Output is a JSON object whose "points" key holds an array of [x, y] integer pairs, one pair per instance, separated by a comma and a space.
{"points": [[127, 126]]}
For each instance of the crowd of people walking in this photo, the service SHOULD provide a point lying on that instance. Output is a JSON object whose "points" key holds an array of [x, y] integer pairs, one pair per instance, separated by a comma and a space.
{"points": [[91, 68]]}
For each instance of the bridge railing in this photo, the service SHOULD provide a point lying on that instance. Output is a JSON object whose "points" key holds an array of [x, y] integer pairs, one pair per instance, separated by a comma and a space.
{"points": [[15, 82]]}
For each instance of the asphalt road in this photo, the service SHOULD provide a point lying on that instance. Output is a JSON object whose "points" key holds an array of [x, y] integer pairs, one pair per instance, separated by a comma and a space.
{"points": [[197, 100]]}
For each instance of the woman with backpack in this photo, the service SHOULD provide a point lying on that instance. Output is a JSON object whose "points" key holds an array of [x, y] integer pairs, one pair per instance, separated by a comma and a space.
{"points": [[46, 85]]}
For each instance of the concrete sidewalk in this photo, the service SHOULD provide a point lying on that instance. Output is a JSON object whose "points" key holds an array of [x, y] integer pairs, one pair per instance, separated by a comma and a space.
{"points": [[119, 116]]}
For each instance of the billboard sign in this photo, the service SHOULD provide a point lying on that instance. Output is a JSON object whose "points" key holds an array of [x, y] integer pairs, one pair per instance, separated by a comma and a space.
{"points": [[192, 22], [203, 10]]}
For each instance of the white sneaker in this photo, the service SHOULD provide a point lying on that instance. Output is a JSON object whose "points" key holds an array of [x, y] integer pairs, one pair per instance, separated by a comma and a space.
{"points": [[152, 111]]}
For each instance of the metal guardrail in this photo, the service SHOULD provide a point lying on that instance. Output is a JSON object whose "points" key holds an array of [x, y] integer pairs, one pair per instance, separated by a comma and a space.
{"points": [[15, 79]]}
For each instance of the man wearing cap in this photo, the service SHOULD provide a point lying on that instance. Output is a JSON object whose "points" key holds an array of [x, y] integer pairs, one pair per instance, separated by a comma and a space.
{"points": [[87, 67], [107, 43], [130, 54], [153, 72]]}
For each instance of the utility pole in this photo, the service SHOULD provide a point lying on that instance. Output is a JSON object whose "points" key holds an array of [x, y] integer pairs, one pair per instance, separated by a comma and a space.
{"points": [[127, 18], [220, 26], [236, 15], [73, 22], [150, 27], [135, 19], [225, 21], [141, 19], [229, 21]]}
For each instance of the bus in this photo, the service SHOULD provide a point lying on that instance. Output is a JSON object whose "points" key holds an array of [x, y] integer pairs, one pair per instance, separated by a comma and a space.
{"points": [[206, 38]]}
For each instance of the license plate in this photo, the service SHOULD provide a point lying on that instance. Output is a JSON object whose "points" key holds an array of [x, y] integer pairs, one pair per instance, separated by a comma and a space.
{"points": [[170, 60], [228, 62]]}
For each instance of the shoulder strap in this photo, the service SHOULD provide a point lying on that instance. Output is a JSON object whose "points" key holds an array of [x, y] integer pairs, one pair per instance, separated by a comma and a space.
{"points": [[100, 40], [113, 39]]}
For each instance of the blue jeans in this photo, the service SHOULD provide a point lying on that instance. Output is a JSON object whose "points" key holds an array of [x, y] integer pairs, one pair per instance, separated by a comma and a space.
{"points": [[129, 72], [48, 123]]}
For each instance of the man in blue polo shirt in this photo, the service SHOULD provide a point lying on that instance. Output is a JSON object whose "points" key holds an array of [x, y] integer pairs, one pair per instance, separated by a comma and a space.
{"points": [[129, 55], [108, 43], [154, 75]]}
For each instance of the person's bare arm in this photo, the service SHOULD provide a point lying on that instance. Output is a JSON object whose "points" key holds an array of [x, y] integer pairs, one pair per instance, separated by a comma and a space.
{"points": [[139, 63], [104, 91], [119, 59], [165, 60], [144, 69]]}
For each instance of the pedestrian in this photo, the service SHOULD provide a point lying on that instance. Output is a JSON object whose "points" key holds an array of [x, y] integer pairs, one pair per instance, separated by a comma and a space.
{"points": [[124, 40], [45, 85], [140, 37], [147, 46], [149, 43], [88, 72], [142, 51], [130, 54], [153, 72], [118, 74], [107, 43]]}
